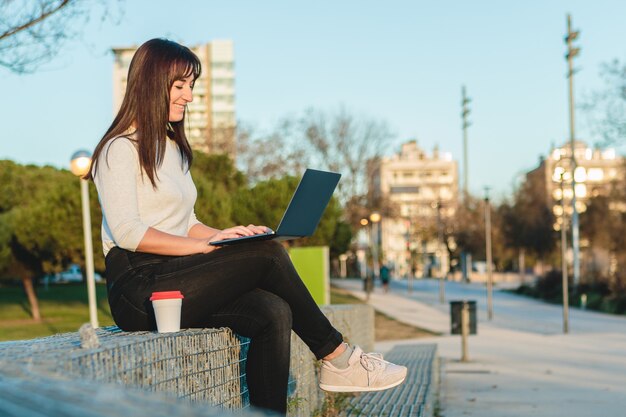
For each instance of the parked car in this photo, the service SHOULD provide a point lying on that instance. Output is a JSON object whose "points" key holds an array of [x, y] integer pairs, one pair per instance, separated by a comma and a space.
{"points": [[72, 274]]}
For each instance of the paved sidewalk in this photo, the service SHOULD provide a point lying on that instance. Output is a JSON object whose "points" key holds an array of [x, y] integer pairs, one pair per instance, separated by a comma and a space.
{"points": [[520, 363], [414, 398]]}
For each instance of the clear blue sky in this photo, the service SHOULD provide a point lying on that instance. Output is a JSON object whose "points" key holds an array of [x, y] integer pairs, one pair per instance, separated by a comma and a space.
{"points": [[400, 61]]}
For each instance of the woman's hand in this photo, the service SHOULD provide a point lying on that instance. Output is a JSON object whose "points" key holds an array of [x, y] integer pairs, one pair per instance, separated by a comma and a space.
{"points": [[233, 233], [259, 229], [239, 231]]}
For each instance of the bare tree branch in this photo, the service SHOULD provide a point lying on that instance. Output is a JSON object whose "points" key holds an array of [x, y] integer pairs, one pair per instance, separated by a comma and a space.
{"points": [[606, 109], [345, 143], [33, 20], [265, 156], [32, 32]]}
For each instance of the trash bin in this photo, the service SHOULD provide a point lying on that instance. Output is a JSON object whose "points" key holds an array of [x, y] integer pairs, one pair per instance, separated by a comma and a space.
{"points": [[455, 316]]}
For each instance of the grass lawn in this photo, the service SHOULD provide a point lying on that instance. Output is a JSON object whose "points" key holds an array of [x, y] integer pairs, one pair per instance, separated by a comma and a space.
{"points": [[385, 327], [63, 309]]}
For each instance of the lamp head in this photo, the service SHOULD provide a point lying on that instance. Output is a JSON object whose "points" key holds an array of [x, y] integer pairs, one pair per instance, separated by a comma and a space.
{"points": [[375, 217], [80, 162]]}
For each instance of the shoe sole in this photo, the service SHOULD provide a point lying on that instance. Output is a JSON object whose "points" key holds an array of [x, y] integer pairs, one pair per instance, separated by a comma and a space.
{"points": [[339, 388]]}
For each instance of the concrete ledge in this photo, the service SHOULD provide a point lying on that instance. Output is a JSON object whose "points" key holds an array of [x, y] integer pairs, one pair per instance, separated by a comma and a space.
{"points": [[201, 365]]}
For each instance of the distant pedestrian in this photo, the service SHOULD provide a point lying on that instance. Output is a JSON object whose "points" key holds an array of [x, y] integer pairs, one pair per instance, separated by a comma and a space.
{"points": [[384, 277]]}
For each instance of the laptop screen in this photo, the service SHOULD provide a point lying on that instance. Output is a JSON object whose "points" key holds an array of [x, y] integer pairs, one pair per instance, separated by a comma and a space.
{"points": [[308, 203]]}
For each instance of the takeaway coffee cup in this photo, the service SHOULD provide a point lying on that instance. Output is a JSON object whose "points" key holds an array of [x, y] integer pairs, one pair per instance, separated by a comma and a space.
{"points": [[167, 306]]}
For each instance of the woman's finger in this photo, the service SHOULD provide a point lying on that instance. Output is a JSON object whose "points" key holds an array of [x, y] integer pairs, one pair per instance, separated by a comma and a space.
{"points": [[240, 230], [259, 229]]}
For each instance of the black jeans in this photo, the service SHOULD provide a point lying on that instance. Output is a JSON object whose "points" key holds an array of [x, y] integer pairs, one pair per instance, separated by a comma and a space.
{"points": [[252, 288]]}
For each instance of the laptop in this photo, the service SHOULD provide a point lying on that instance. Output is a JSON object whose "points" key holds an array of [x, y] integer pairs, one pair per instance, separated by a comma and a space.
{"points": [[304, 211]]}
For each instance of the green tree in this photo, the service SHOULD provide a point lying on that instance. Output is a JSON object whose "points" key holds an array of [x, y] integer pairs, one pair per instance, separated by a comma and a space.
{"points": [[41, 224], [528, 222], [604, 225], [217, 180], [469, 227]]}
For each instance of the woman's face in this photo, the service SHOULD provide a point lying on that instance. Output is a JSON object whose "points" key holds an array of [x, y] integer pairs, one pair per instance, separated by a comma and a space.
{"points": [[181, 93]]}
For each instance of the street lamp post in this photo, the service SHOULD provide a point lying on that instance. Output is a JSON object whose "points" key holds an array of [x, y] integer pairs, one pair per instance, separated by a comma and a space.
{"points": [[564, 261], [488, 250], [361, 255], [375, 219], [79, 165], [364, 275], [409, 257], [439, 252]]}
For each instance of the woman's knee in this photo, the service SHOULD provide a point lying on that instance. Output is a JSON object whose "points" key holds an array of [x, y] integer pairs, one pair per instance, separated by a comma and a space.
{"points": [[274, 249]]}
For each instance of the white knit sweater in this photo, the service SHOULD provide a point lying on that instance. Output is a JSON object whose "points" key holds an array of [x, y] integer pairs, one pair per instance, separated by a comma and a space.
{"points": [[129, 202]]}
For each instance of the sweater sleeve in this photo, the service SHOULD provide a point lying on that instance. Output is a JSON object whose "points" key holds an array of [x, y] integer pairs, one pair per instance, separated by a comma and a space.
{"points": [[193, 220], [116, 181]]}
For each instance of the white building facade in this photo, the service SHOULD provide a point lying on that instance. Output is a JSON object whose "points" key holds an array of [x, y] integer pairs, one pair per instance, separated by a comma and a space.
{"points": [[210, 119], [422, 192]]}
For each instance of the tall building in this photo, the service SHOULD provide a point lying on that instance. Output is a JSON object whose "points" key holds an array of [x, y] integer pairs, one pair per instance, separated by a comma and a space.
{"points": [[596, 171], [421, 191], [210, 119]]}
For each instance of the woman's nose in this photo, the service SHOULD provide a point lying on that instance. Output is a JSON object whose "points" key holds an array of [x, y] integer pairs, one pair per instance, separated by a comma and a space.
{"points": [[188, 95]]}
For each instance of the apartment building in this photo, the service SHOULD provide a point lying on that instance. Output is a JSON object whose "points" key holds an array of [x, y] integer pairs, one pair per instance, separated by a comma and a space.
{"points": [[210, 120], [596, 171], [422, 191]]}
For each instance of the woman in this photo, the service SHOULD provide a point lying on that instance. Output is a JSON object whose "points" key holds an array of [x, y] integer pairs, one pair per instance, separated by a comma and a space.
{"points": [[153, 242]]}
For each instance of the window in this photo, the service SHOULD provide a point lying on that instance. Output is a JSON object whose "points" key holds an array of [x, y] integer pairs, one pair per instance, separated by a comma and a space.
{"points": [[228, 99], [223, 117], [609, 154], [405, 190], [228, 82], [222, 65], [595, 174]]}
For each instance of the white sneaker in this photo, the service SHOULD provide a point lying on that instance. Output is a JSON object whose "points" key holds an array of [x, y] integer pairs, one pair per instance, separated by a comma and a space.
{"points": [[365, 372]]}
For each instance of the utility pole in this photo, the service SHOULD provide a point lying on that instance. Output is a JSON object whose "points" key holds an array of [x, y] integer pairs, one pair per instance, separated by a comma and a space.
{"points": [[465, 111], [571, 53], [489, 258]]}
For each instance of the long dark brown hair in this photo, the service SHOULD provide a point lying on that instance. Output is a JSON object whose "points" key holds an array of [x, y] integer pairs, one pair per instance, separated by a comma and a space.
{"points": [[155, 67]]}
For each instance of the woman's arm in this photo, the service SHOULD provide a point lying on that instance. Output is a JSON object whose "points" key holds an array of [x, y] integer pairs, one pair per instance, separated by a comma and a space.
{"points": [[202, 231], [197, 241], [161, 243]]}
